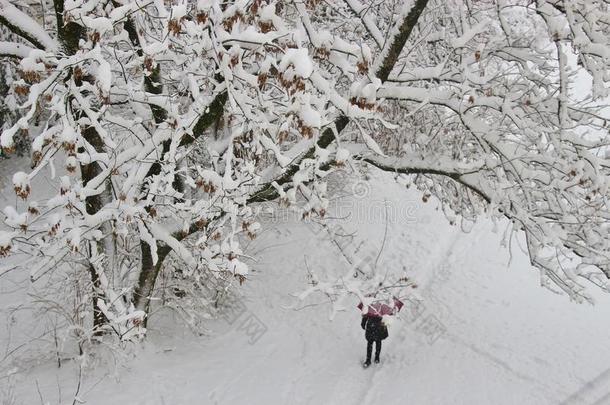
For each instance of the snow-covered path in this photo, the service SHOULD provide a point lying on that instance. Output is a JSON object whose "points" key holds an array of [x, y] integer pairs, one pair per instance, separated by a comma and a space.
{"points": [[504, 340]]}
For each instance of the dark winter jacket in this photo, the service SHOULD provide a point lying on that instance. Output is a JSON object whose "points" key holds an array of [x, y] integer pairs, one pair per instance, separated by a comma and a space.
{"points": [[374, 328]]}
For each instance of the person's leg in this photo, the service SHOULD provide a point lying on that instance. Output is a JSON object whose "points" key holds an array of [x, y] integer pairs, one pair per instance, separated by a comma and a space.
{"points": [[369, 351], [377, 350]]}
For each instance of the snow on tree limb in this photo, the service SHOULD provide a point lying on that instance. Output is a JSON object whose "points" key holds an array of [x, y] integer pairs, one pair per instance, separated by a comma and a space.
{"points": [[362, 11], [25, 26], [393, 51], [14, 50]]}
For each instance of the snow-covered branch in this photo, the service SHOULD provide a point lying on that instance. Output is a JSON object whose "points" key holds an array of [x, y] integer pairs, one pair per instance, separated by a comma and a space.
{"points": [[14, 50], [25, 26]]}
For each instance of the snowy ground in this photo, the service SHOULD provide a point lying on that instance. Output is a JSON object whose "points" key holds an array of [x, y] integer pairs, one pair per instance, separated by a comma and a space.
{"points": [[485, 332]]}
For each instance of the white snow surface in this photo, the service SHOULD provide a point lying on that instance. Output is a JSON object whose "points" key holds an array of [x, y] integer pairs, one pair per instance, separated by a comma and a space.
{"points": [[506, 340], [298, 61]]}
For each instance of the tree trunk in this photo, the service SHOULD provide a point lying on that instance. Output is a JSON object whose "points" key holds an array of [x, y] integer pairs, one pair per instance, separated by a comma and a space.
{"points": [[70, 35], [148, 277], [94, 204]]}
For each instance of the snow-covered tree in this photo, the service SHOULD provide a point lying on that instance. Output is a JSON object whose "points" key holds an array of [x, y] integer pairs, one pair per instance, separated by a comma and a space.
{"points": [[175, 119]]}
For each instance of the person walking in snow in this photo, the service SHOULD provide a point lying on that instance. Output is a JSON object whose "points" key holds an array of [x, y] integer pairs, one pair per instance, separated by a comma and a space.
{"points": [[375, 332]]}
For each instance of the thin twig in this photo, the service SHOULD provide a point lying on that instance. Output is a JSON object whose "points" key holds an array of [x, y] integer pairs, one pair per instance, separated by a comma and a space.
{"points": [[80, 374], [39, 393]]}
